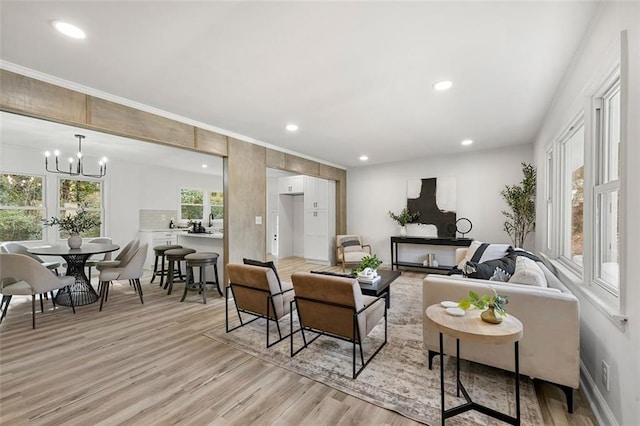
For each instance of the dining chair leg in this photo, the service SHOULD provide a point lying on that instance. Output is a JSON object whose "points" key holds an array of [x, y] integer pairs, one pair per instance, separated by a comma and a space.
{"points": [[137, 282], [73, 306], [41, 303], [53, 299], [103, 286], [33, 311]]}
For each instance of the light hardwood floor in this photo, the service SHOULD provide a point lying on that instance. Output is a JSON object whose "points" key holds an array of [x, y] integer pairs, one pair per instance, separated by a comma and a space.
{"points": [[150, 364]]}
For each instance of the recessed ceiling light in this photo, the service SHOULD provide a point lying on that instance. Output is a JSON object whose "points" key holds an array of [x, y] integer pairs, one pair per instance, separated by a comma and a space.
{"points": [[68, 29], [443, 85], [363, 158], [204, 166], [466, 142], [291, 127]]}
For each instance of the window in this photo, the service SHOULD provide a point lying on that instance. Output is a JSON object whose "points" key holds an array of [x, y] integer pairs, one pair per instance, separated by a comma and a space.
{"points": [[216, 203], [21, 207], [76, 192], [549, 200], [191, 204], [607, 189], [572, 196]]}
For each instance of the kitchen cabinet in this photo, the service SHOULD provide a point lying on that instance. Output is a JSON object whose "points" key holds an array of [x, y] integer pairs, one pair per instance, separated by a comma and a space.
{"points": [[319, 220], [291, 185], [316, 193]]}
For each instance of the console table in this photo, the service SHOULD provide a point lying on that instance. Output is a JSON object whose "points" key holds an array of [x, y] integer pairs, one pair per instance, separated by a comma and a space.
{"points": [[455, 242]]}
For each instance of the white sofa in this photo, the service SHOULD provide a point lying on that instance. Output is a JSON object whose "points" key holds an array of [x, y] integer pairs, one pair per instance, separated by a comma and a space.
{"points": [[550, 347]]}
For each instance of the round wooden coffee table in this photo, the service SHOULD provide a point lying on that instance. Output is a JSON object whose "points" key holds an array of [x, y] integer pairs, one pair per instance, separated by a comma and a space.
{"points": [[471, 328]]}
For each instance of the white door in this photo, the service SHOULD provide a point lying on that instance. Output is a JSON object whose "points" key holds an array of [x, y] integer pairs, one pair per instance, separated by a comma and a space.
{"points": [[272, 229]]}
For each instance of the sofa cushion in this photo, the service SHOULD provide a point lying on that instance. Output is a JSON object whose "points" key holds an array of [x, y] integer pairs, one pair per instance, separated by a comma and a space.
{"points": [[496, 270], [528, 273], [269, 264], [481, 252]]}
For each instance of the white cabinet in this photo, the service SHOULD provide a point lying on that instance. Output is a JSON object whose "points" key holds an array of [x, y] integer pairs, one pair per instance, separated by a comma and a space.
{"points": [[316, 193], [319, 219], [157, 238], [291, 185]]}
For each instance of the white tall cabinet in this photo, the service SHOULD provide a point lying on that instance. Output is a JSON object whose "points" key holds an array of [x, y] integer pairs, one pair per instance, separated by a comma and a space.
{"points": [[318, 227]]}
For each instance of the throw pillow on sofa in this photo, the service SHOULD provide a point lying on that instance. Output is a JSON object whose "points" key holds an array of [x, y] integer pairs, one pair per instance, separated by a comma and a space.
{"points": [[481, 252], [528, 273], [496, 270]]}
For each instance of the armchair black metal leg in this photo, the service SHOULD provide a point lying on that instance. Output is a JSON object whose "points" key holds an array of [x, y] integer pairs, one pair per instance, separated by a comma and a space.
{"points": [[431, 355], [5, 302]]}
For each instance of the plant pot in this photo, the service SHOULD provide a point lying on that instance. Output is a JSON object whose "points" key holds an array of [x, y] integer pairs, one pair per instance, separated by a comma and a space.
{"points": [[403, 231], [490, 315], [74, 241]]}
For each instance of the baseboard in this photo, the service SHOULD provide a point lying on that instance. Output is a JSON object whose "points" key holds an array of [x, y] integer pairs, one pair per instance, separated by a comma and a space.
{"points": [[596, 401]]}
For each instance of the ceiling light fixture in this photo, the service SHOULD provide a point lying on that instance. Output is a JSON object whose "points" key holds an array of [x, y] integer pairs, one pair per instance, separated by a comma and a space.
{"points": [[466, 142], [363, 158], [68, 29], [291, 127], [204, 166], [443, 85], [79, 169]]}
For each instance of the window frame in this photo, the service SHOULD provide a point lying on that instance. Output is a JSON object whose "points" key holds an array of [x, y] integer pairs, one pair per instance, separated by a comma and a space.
{"points": [[603, 184], [59, 208], [43, 209], [563, 204]]}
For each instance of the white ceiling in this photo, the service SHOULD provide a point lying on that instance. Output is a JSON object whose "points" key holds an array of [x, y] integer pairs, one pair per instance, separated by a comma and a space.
{"points": [[356, 77]]}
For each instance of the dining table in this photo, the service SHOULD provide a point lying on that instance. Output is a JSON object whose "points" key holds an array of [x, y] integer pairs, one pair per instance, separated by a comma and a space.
{"points": [[81, 292]]}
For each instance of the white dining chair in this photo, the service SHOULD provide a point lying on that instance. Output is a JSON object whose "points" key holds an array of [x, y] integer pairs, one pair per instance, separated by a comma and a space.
{"points": [[132, 271]]}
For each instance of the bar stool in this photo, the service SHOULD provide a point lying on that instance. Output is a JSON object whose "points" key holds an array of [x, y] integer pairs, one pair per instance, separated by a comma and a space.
{"points": [[160, 254], [201, 261], [174, 256]]}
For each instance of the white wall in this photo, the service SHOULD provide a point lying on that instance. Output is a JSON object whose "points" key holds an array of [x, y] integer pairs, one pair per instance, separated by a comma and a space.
{"points": [[601, 339], [128, 188], [480, 176]]}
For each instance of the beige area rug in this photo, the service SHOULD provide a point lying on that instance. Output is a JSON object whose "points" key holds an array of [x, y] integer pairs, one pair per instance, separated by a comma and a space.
{"points": [[398, 378]]}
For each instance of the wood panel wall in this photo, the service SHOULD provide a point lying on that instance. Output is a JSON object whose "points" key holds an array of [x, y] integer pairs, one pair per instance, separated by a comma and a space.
{"points": [[244, 166]]}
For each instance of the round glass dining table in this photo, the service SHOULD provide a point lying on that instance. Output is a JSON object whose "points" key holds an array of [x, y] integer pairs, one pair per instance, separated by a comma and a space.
{"points": [[82, 292]]}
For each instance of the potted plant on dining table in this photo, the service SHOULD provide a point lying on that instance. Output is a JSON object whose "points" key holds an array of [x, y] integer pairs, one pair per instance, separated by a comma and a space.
{"points": [[75, 223]]}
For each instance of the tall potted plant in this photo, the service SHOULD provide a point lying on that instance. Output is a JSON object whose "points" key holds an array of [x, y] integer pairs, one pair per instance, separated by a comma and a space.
{"points": [[521, 220], [74, 224], [403, 218]]}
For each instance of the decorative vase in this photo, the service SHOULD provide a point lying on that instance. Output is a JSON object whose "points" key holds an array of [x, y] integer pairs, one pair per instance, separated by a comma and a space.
{"points": [[403, 231], [74, 241], [490, 315]]}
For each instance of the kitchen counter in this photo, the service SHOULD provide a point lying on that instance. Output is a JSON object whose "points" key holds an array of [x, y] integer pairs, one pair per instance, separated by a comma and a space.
{"points": [[216, 235]]}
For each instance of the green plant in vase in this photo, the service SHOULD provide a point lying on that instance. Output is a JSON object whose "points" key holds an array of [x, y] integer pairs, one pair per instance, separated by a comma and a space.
{"points": [[403, 218], [74, 223], [367, 262], [493, 305]]}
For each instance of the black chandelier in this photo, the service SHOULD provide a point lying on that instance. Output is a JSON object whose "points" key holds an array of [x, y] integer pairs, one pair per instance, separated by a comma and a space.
{"points": [[78, 162]]}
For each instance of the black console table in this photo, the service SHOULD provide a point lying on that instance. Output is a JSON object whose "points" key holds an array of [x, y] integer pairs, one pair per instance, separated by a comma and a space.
{"points": [[395, 263]]}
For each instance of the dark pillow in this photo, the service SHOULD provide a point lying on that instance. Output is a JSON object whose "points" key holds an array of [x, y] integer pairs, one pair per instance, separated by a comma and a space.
{"points": [[349, 243], [511, 252], [498, 269], [268, 264]]}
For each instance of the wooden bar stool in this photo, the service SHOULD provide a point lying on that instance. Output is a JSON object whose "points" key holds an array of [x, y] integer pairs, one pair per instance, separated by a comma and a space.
{"points": [[175, 256], [201, 261], [160, 254]]}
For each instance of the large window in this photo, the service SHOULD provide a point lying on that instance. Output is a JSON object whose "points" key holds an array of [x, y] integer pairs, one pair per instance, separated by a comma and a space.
{"points": [[607, 189], [549, 201], [572, 193], [200, 206], [75, 193], [191, 204], [21, 207]]}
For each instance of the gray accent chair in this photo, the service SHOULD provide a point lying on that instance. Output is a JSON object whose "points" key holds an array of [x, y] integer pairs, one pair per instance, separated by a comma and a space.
{"points": [[132, 271], [21, 275]]}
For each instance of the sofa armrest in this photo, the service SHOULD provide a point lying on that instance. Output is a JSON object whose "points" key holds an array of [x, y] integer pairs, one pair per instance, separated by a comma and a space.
{"points": [[550, 347], [460, 254]]}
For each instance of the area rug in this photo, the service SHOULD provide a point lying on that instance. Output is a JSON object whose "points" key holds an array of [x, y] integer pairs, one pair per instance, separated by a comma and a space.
{"points": [[398, 378]]}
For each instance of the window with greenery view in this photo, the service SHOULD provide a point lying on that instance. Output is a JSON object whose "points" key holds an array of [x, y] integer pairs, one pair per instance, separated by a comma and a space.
{"points": [[21, 207], [216, 204], [75, 192], [191, 204]]}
